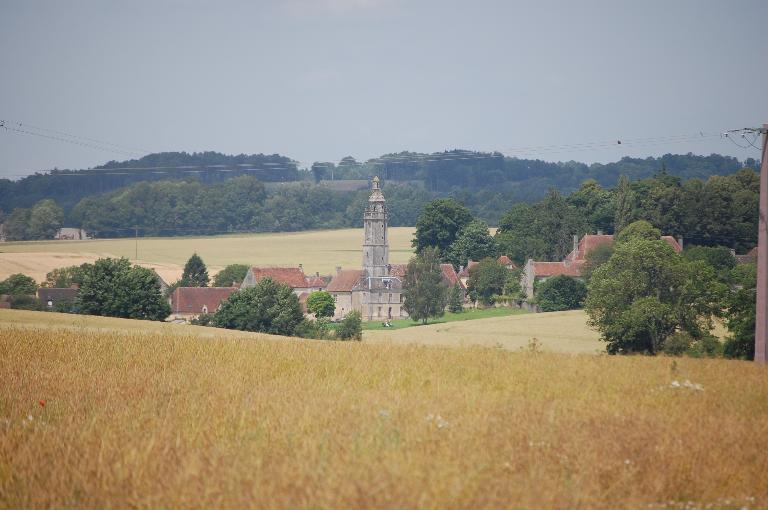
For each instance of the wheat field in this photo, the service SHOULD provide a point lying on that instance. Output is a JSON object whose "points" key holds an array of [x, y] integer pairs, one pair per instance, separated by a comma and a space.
{"points": [[318, 251], [104, 417]]}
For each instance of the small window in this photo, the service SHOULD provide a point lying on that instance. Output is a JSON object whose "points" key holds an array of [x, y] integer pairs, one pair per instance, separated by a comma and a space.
{"points": [[205, 309]]}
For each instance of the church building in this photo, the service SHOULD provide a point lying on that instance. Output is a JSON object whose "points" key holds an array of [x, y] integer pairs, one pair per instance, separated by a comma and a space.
{"points": [[376, 289]]}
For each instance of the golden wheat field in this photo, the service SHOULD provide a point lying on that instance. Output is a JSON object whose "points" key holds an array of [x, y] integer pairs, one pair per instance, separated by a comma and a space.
{"points": [[318, 251], [103, 417]]}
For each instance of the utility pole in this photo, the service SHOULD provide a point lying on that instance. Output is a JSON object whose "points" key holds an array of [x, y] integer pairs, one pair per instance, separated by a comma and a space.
{"points": [[761, 323]]}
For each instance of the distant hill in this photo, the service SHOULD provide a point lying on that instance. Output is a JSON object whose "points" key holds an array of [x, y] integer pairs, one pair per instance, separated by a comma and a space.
{"points": [[456, 172]]}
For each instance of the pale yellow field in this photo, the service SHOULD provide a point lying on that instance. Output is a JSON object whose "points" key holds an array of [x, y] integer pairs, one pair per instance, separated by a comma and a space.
{"points": [[557, 332], [170, 419], [318, 251]]}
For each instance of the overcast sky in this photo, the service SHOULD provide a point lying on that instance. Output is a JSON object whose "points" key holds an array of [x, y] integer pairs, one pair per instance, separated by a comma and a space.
{"points": [[322, 79]]}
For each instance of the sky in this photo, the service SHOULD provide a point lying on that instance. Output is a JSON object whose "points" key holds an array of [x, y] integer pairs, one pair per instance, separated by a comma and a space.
{"points": [[317, 80]]}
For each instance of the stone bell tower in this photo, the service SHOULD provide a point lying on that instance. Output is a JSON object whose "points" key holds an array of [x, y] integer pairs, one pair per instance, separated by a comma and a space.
{"points": [[376, 242]]}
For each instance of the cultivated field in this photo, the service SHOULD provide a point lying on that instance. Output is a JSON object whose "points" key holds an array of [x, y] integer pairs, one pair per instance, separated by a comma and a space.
{"points": [[556, 332], [317, 250], [150, 417]]}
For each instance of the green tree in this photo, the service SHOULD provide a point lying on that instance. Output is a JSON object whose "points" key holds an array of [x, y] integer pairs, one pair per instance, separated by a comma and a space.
{"points": [[439, 224], [195, 273], [45, 220], [595, 258], [487, 279], [64, 277], [645, 292], [560, 293], [268, 307], [114, 288], [230, 275], [596, 204], [351, 327], [473, 243], [423, 289], [640, 229], [624, 205], [542, 231], [456, 299], [740, 316], [321, 304], [18, 285], [17, 224], [719, 257]]}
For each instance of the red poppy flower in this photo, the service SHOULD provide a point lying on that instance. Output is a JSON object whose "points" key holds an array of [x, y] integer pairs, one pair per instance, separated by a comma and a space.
{"points": [[41, 402]]}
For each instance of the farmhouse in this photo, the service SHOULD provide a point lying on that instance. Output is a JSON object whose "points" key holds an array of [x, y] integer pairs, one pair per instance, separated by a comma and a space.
{"points": [[190, 302], [464, 271], [294, 277], [71, 234], [50, 298], [573, 264]]}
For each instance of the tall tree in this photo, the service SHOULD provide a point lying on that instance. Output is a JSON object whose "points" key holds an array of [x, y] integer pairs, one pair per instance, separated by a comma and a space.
{"points": [[195, 273], [625, 204], [560, 293], [113, 288], [45, 220], [230, 275], [439, 224], [18, 285], [321, 304], [268, 307], [487, 279], [474, 242], [646, 291], [64, 277], [423, 288]]}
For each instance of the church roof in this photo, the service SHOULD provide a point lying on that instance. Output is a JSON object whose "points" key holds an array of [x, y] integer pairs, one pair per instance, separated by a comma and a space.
{"points": [[345, 280]]}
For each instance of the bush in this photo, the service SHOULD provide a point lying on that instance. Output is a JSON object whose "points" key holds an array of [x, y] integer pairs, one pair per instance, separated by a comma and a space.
{"points": [[707, 346], [560, 293], [677, 344], [204, 319], [18, 285], [351, 328], [456, 299], [24, 302], [321, 304], [317, 329]]}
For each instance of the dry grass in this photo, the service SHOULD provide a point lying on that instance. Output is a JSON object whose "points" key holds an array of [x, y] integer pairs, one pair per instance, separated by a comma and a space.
{"points": [[557, 332], [317, 250], [170, 419]]}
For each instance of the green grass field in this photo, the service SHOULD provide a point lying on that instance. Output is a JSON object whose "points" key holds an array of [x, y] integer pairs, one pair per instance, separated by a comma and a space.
{"points": [[318, 251], [468, 314]]}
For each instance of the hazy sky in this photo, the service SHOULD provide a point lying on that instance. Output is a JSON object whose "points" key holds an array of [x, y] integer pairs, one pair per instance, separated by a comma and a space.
{"points": [[322, 79]]}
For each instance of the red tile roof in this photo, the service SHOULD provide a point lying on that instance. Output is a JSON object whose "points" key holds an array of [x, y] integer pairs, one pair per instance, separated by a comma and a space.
{"points": [[506, 261], [345, 280], [316, 282], [748, 258], [588, 243], [449, 275], [292, 276], [465, 272], [192, 299], [547, 269], [673, 243]]}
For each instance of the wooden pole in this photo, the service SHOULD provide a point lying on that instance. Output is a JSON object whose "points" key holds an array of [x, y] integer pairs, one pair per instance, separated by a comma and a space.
{"points": [[761, 323]]}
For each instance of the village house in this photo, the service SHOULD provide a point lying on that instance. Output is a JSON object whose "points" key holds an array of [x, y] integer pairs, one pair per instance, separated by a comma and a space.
{"points": [[51, 298], [190, 302], [573, 264], [293, 277], [68, 233]]}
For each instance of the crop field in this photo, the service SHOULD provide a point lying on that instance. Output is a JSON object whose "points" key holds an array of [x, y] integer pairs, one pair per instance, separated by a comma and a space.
{"points": [[101, 415], [318, 251]]}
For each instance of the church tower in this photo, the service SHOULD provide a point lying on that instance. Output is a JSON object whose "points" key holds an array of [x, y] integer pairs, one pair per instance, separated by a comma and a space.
{"points": [[376, 242]]}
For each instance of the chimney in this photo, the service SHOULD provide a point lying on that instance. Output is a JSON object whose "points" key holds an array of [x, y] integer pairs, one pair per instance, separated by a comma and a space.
{"points": [[575, 242], [317, 274], [599, 232], [338, 269], [461, 269], [733, 252], [680, 242], [301, 268]]}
